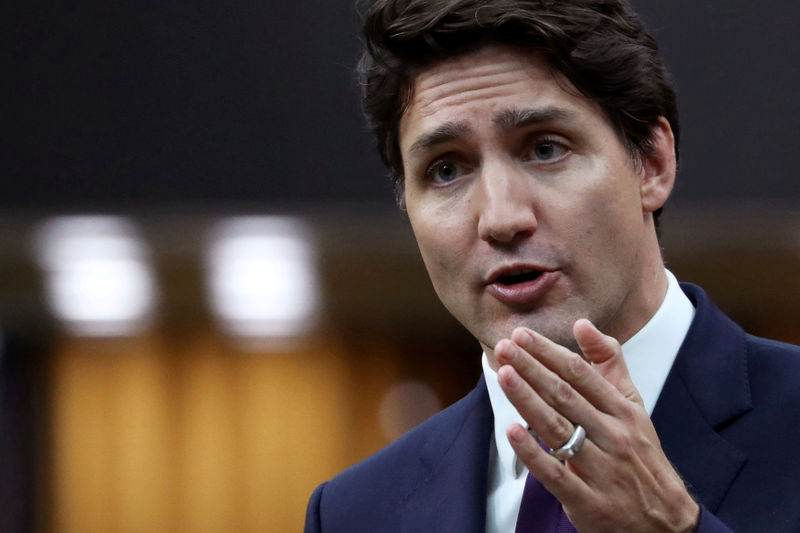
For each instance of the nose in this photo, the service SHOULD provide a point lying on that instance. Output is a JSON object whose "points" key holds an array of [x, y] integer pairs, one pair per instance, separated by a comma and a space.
{"points": [[505, 204]]}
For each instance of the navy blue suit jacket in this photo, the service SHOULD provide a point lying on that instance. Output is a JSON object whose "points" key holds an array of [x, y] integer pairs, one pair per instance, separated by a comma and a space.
{"points": [[728, 419]]}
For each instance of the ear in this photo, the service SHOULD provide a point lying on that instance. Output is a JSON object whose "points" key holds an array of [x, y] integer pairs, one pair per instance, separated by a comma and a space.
{"points": [[658, 167]]}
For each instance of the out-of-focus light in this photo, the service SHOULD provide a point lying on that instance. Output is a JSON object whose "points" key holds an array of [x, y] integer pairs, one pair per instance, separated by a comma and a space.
{"points": [[98, 282], [404, 405], [262, 277]]}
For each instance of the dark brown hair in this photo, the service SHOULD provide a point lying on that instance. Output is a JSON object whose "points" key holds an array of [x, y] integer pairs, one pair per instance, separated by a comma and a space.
{"points": [[600, 46]]}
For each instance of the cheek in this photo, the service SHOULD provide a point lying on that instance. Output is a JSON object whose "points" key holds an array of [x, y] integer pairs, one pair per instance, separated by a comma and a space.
{"points": [[443, 245], [440, 253], [613, 205], [593, 224]]}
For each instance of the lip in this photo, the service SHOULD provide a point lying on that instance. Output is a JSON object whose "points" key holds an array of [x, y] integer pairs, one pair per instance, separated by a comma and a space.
{"points": [[522, 294]]}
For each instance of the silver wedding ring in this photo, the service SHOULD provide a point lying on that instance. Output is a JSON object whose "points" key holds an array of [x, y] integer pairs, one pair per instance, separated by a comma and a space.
{"points": [[572, 446]]}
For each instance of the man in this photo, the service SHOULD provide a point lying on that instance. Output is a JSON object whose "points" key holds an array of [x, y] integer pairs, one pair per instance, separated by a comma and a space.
{"points": [[533, 144]]}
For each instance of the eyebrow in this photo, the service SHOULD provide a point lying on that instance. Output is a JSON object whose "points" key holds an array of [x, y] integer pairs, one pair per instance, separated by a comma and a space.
{"points": [[519, 118], [446, 132], [506, 120]]}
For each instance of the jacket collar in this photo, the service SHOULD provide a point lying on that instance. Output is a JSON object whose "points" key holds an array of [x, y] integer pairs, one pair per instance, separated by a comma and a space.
{"points": [[451, 493], [707, 387]]}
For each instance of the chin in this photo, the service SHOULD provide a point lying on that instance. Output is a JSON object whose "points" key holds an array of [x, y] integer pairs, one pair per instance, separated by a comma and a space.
{"points": [[558, 330]]}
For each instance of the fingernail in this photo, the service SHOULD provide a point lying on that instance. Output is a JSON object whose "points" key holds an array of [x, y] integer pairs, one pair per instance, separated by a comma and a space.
{"points": [[525, 334], [515, 433], [506, 351], [511, 352], [506, 374]]}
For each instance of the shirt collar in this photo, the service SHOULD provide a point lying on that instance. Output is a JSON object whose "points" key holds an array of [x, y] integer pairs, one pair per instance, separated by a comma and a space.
{"points": [[504, 414], [649, 355]]}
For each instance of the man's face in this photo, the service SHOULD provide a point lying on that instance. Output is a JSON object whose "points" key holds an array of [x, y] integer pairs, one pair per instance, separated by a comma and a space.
{"points": [[526, 206]]}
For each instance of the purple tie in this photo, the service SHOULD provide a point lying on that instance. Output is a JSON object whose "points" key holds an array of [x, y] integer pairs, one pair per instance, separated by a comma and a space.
{"points": [[540, 511]]}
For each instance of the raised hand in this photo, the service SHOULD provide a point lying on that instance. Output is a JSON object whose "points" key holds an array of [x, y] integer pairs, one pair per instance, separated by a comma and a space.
{"points": [[620, 480]]}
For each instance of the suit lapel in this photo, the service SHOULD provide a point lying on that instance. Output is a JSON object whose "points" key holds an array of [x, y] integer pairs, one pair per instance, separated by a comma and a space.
{"points": [[451, 494], [707, 387]]}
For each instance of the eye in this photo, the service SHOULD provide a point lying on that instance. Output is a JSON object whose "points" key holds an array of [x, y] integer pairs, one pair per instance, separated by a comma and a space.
{"points": [[442, 171], [546, 150]]}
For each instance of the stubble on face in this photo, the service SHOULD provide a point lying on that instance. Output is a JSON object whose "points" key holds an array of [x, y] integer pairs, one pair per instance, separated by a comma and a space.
{"points": [[579, 215]]}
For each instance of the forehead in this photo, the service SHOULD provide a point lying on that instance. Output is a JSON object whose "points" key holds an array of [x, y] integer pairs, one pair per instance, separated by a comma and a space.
{"points": [[493, 70], [488, 81]]}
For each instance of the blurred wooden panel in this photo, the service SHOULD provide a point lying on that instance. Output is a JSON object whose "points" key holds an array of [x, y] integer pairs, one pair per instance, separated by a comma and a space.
{"points": [[82, 451], [207, 436], [188, 432], [110, 438], [208, 439], [143, 437], [294, 415]]}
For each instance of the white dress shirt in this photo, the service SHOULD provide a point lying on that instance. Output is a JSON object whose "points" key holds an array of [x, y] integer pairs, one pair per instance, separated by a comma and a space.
{"points": [[648, 354]]}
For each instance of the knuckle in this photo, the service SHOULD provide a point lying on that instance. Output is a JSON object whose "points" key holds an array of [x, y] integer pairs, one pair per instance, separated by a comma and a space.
{"points": [[623, 445], [628, 413], [576, 368], [558, 427], [559, 477], [614, 344], [562, 393]]}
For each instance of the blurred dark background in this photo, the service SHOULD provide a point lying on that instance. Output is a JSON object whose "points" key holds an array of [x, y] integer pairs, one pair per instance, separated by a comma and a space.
{"points": [[174, 118], [162, 104], [121, 104]]}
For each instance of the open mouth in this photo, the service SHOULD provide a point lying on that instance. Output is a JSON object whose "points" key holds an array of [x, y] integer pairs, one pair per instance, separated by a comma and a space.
{"points": [[519, 277], [521, 286]]}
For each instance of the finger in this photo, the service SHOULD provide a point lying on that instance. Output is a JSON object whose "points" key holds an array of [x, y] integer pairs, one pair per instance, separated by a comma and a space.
{"points": [[571, 368], [605, 353], [566, 406], [557, 477], [552, 428]]}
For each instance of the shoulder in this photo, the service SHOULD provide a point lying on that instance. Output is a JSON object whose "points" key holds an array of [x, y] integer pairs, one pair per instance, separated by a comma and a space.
{"points": [[773, 350], [412, 447], [373, 487], [768, 437], [723, 352], [727, 420], [774, 371]]}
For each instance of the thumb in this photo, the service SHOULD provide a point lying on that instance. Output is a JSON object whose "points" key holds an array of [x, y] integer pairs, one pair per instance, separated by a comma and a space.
{"points": [[605, 354]]}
